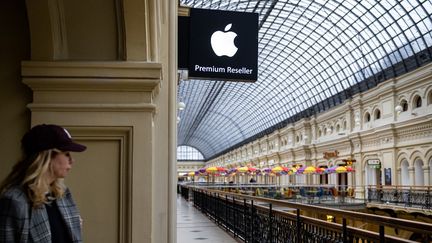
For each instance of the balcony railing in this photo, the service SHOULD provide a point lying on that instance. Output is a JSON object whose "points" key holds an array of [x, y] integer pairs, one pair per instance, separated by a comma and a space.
{"points": [[416, 198], [254, 219], [406, 196]]}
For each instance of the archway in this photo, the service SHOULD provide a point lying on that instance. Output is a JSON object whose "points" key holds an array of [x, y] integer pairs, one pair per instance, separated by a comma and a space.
{"points": [[342, 180], [418, 173], [323, 178], [404, 173], [373, 172]]}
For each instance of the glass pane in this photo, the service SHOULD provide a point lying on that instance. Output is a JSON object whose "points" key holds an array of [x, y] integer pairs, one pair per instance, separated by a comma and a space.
{"points": [[188, 153]]}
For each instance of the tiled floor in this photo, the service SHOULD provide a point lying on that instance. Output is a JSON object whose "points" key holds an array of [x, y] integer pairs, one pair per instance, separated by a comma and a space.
{"points": [[193, 226]]}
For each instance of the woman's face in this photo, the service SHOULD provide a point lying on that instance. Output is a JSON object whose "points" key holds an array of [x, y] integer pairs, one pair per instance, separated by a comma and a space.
{"points": [[61, 163]]}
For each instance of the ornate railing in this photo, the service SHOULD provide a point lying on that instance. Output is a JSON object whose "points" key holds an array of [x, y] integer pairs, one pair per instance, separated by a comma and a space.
{"points": [[415, 197], [258, 223], [184, 192], [419, 197]]}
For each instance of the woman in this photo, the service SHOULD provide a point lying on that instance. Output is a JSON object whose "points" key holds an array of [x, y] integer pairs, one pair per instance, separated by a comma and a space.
{"points": [[35, 205]]}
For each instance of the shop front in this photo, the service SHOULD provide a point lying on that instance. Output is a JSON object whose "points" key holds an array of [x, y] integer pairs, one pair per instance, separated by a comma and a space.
{"points": [[373, 172]]}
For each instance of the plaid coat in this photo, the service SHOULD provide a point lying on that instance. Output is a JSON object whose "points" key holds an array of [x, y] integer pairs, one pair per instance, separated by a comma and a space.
{"points": [[20, 222]]}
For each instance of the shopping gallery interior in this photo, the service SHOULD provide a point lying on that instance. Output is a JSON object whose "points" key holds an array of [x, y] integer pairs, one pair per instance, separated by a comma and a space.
{"points": [[230, 120], [339, 117]]}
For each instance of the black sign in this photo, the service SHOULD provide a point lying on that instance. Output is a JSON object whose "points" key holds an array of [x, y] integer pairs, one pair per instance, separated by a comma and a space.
{"points": [[183, 42], [223, 45], [387, 176]]}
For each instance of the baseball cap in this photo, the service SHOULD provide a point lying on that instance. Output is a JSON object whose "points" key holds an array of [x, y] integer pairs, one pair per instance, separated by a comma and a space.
{"points": [[49, 136]]}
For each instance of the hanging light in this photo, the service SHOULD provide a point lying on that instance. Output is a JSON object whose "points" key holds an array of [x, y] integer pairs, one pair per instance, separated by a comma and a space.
{"points": [[181, 105], [178, 119]]}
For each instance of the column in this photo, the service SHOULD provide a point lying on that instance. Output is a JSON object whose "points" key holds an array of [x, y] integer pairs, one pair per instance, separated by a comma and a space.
{"points": [[426, 171], [107, 106], [411, 175]]}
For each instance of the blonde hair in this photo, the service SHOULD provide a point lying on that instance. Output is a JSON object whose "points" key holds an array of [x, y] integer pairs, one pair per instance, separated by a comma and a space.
{"points": [[33, 173]]}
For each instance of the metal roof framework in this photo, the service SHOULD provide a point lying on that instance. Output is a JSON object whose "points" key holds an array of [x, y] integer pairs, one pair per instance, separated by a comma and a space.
{"points": [[313, 55]]}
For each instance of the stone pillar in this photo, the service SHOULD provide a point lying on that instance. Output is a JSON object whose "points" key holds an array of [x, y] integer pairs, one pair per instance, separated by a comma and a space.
{"points": [[107, 70], [426, 173], [350, 179], [107, 106], [398, 180], [411, 175], [359, 176]]}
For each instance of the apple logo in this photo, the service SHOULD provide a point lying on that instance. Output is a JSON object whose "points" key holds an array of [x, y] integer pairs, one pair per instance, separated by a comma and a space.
{"points": [[222, 43]]}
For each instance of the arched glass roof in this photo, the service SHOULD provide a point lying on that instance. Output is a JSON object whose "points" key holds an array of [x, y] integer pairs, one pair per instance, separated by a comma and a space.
{"points": [[312, 55], [188, 153]]}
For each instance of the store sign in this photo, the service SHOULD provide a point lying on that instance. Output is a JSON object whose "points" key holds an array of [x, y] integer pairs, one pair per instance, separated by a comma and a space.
{"points": [[387, 176], [349, 161], [329, 155], [223, 45], [374, 162]]}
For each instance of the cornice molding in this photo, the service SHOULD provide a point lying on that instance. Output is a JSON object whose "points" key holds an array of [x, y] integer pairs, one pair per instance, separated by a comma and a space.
{"points": [[92, 84], [385, 89], [87, 80], [94, 107], [421, 74], [96, 76], [334, 113], [414, 124], [87, 69]]}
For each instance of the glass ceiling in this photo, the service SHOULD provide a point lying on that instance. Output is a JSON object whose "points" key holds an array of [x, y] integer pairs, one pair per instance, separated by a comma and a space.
{"points": [[188, 153], [312, 55]]}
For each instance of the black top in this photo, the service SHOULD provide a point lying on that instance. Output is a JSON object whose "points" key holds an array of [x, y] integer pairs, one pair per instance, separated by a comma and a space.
{"points": [[59, 231]]}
